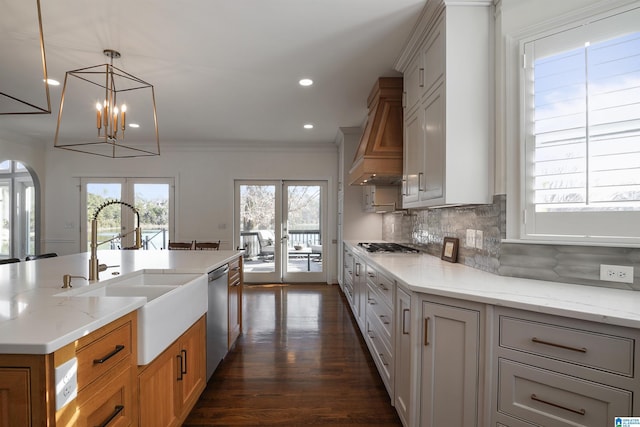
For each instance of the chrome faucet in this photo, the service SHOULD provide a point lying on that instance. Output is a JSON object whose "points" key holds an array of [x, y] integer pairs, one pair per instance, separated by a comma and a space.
{"points": [[94, 266]]}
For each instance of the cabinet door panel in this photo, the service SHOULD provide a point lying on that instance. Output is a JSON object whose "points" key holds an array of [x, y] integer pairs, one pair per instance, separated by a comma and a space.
{"points": [[157, 391], [432, 184], [450, 372], [15, 404], [413, 146], [413, 83], [193, 358], [403, 355], [433, 52]]}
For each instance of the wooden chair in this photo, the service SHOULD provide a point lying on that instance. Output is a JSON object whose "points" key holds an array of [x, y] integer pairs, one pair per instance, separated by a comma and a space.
{"points": [[180, 246], [9, 260], [207, 246], [47, 255]]}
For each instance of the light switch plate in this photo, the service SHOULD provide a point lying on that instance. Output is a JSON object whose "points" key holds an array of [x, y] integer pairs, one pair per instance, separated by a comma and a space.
{"points": [[66, 383], [479, 239], [471, 238]]}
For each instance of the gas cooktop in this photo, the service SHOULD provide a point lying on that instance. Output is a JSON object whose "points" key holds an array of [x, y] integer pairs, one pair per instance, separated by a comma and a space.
{"points": [[387, 248]]}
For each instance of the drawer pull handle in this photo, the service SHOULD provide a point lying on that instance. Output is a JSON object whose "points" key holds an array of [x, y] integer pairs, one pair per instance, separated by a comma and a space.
{"points": [[384, 362], [383, 287], [426, 331], [371, 301], [566, 347], [184, 361], [117, 350], [383, 317], [116, 411], [404, 321], [555, 405], [180, 373], [371, 336]]}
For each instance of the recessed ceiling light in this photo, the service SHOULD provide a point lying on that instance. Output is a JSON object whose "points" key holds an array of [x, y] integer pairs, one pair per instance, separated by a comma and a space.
{"points": [[305, 82], [52, 82], [134, 125], [308, 126]]}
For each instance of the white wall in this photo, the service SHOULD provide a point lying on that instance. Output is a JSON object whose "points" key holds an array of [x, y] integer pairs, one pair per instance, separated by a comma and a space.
{"points": [[204, 178]]}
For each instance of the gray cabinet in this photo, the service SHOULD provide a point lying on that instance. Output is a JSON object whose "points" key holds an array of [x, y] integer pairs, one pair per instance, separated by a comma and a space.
{"points": [[402, 359], [559, 372], [447, 127], [450, 354]]}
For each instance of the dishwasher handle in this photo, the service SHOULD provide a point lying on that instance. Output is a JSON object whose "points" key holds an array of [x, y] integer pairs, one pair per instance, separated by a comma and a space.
{"points": [[218, 272]]}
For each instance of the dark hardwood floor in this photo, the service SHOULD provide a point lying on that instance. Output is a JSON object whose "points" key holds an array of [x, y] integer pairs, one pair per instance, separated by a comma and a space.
{"points": [[299, 362]]}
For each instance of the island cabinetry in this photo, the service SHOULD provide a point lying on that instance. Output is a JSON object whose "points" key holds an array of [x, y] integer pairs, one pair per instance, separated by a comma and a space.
{"points": [[170, 385], [450, 378], [106, 376], [446, 119], [402, 357], [235, 300], [24, 380], [379, 324], [557, 371]]}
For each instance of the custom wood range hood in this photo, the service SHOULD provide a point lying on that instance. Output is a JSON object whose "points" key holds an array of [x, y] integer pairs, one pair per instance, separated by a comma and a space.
{"points": [[378, 160]]}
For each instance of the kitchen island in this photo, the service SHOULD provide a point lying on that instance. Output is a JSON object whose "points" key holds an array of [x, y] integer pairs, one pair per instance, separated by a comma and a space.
{"points": [[43, 329]]}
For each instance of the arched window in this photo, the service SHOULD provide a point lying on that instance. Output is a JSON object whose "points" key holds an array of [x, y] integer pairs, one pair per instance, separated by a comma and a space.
{"points": [[19, 210]]}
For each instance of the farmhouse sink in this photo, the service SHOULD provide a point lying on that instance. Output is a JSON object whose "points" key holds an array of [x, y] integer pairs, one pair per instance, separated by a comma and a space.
{"points": [[174, 303]]}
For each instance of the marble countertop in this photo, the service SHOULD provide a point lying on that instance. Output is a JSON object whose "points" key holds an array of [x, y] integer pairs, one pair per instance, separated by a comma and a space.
{"points": [[34, 320], [430, 275]]}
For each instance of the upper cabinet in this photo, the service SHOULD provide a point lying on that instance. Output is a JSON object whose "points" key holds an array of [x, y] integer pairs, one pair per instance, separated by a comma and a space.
{"points": [[447, 103]]}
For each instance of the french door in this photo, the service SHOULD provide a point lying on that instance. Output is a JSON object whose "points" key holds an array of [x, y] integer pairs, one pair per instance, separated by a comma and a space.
{"points": [[152, 197], [281, 225]]}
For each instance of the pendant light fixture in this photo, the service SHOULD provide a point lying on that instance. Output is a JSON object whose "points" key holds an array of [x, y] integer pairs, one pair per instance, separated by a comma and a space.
{"points": [[23, 68], [107, 112]]}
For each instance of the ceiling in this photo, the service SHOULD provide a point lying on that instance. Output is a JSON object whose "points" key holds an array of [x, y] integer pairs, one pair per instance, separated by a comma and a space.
{"points": [[223, 70]]}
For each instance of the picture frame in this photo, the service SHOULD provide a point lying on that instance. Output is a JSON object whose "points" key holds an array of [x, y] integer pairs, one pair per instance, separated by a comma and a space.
{"points": [[450, 249]]}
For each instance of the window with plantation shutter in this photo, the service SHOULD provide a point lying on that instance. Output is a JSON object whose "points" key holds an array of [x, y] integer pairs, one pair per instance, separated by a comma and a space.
{"points": [[582, 132]]}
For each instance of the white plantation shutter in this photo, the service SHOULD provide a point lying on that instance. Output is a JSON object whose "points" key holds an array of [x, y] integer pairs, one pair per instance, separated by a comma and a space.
{"points": [[582, 116]]}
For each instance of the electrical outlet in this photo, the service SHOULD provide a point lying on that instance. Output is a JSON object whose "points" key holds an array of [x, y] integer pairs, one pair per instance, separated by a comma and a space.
{"points": [[616, 273], [479, 239], [471, 238]]}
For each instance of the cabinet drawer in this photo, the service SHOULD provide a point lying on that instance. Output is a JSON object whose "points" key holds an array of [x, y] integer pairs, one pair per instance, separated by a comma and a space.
{"points": [[379, 310], [591, 349], [380, 351], [108, 402], [100, 355], [382, 284], [548, 398], [234, 271]]}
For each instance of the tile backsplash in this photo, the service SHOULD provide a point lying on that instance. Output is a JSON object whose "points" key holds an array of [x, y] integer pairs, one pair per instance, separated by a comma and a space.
{"points": [[558, 263]]}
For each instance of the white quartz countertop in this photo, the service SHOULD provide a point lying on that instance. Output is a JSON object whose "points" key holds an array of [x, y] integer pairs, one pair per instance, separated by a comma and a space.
{"points": [[430, 275], [34, 320]]}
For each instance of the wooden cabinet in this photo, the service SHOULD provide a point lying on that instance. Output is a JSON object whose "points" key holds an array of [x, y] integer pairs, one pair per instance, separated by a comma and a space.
{"points": [[449, 361], [556, 371], [25, 380], [170, 385], [106, 387], [235, 301], [447, 101], [403, 356]]}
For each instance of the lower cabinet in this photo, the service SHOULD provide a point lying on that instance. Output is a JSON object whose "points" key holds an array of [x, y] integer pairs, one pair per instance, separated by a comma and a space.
{"points": [[170, 385], [449, 381], [235, 301], [403, 356], [23, 381], [561, 372]]}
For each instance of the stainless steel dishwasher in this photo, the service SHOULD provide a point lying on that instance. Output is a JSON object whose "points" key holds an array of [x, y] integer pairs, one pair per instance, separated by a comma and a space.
{"points": [[217, 318]]}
